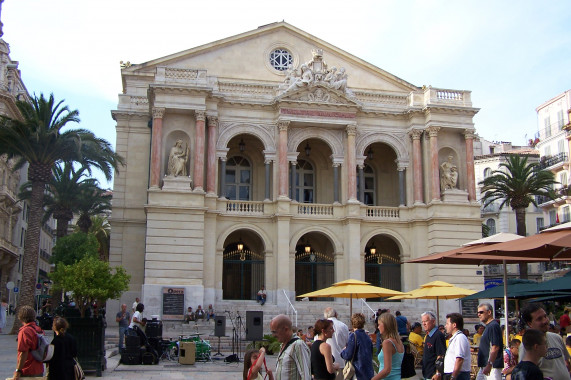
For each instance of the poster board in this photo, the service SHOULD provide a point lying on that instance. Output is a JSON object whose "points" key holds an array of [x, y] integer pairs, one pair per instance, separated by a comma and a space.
{"points": [[173, 304]]}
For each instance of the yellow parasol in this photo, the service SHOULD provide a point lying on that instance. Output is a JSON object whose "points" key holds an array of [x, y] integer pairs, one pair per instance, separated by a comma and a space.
{"points": [[436, 290], [353, 289]]}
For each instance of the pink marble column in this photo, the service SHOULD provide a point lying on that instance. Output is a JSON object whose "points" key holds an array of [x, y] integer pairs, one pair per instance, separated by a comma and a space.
{"points": [[351, 163], [211, 155], [417, 165], [157, 142], [470, 174], [433, 133], [199, 152], [282, 159]]}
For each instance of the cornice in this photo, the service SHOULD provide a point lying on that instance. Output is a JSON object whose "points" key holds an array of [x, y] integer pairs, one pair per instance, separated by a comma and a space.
{"points": [[450, 110], [129, 115]]}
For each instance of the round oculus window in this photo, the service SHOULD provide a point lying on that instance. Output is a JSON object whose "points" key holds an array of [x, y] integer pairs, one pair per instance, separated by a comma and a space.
{"points": [[281, 59]]}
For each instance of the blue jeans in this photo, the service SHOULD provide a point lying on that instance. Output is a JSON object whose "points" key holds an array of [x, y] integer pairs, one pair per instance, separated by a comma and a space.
{"points": [[122, 336], [208, 317], [378, 342], [261, 299]]}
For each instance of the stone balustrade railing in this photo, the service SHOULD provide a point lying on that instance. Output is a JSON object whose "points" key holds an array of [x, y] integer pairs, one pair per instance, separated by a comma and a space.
{"points": [[245, 207], [315, 209], [379, 212], [434, 96]]}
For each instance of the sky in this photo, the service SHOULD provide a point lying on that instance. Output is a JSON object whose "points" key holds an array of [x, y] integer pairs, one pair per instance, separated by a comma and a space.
{"points": [[512, 55]]}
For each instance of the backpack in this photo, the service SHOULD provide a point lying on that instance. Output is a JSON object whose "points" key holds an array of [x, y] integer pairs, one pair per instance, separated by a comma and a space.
{"points": [[44, 350]]}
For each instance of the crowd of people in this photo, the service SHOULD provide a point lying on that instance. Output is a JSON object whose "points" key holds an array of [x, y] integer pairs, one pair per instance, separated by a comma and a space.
{"points": [[200, 314], [445, 351]]}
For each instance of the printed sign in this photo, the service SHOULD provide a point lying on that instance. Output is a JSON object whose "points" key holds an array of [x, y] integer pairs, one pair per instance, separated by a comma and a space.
{"points": [[173, 303]]}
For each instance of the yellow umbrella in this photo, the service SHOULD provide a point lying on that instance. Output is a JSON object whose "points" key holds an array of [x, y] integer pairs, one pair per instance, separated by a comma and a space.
{"points": [[352, 289], [436, 290]]}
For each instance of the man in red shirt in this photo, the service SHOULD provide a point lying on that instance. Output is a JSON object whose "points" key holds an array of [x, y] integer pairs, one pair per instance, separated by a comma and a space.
{"points": [[564, 322], [27, 341]]}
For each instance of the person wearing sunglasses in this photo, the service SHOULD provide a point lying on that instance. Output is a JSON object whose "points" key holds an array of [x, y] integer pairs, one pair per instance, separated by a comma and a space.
{"points": [[490, 361]]}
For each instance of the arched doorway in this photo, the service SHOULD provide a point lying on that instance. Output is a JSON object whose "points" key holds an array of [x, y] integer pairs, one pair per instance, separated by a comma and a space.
{"points": [[382, 263], [314, 264], [242, 271]]}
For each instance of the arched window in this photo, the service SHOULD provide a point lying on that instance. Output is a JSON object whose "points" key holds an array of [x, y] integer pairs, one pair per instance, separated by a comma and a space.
{"points": [[304, 182], [238, 179], [491, 223], [487, 172]]}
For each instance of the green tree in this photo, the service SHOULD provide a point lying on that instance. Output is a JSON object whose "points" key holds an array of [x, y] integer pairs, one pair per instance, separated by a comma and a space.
{"points": [[516, 184], [91, 280], [101, 229], [37, 139], [92, 202], [74, 247]]}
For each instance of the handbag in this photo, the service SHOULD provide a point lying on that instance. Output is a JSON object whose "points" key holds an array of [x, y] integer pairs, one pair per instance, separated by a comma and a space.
{"points": [[407, 366], [77, 370], [349, 369]]}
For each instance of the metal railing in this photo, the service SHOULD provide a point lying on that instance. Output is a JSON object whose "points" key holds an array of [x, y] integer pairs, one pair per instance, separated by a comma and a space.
{"points": [[365, 304], [547, 161], [290, 305]]}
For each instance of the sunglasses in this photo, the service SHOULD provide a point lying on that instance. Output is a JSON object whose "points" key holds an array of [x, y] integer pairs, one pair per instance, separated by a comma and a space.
{"points": [[482, 311]]}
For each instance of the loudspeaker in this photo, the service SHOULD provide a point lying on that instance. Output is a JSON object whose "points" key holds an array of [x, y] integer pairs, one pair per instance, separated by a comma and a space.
{"points": [[220, 325], [187, 353], [154, 329], [254, 325]]}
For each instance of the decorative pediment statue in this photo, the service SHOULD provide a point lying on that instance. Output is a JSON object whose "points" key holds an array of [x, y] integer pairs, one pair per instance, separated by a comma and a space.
{"points": [[315, 74], [178, 160], [448, 174]]}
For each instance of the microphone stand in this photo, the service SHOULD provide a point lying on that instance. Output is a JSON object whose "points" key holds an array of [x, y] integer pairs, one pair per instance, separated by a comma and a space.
{"points": [[235, 343]]}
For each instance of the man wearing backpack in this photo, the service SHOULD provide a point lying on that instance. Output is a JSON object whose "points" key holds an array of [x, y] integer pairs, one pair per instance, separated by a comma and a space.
{"points": [[28, 341]]}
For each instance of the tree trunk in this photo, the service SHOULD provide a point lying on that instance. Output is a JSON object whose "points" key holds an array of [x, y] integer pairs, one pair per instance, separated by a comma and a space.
{"points": [[31, 250], [521, 231]]}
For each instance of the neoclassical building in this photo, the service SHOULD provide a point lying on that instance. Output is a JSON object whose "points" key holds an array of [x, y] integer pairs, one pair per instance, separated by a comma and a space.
{"points": [[273, 157]]}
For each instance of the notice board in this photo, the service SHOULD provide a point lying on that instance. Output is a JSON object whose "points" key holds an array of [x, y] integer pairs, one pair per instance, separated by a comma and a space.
{"points": [[173, 303]]}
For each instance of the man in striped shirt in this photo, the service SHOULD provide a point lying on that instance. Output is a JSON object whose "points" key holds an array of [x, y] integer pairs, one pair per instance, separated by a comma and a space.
{"points": [[294, 358]]}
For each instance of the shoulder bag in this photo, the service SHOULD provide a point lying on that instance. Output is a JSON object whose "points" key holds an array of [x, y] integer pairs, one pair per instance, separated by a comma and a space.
{"points": [[349, 369], [77, 370]]}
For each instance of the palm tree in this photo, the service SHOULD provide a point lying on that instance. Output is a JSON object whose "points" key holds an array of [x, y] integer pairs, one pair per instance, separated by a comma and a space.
{"points": [[62, 194], [516, 183], [92, 202], [37, 139], [101, 229]]}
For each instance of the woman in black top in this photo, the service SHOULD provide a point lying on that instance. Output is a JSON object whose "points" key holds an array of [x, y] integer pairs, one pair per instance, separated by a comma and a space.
{"points": [[322, 366], [60, 366]]}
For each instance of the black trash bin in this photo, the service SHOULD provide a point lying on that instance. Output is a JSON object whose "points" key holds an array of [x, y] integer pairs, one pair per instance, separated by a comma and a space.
{"points": [[90, 336]]}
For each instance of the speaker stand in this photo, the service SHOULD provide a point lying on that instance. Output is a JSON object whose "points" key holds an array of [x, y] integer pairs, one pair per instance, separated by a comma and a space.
{"points": [[218, 353]]}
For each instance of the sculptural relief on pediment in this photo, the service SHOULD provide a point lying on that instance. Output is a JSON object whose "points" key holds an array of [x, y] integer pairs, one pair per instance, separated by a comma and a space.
{"points": [[315, 82]]}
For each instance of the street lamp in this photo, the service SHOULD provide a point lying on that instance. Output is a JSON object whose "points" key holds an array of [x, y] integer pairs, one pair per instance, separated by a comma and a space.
{"points": [[307, 149], [242, 145]]}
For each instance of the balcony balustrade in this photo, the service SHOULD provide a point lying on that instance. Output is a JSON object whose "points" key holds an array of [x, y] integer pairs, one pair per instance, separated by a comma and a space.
{"points": [[379, 212], [245, 207], [548, 161], [315, 209]]}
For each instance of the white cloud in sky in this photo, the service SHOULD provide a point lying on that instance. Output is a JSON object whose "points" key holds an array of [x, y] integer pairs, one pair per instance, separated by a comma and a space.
{"points": [[513, 56]]}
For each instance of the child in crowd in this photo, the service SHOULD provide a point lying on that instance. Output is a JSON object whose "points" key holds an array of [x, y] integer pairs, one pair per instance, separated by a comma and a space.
{"points": [[253, 361], [535, 345], [511, 358]]}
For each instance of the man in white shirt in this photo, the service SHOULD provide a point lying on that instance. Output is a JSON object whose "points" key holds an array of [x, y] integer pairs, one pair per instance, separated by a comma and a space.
{"points": [[457, 361], [339, 339], [137, 300]]}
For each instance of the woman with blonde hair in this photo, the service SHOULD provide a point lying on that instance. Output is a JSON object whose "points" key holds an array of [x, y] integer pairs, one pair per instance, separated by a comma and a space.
{"points": [[60, 366], [392, 353]]}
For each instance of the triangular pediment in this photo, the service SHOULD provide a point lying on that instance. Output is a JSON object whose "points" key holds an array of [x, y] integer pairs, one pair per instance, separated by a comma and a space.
{"points": [[317, 94], [245, 58]]}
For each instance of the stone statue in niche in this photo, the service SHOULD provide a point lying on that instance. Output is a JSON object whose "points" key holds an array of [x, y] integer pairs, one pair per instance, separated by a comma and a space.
{"points": [[448, 174], [178, 159]]}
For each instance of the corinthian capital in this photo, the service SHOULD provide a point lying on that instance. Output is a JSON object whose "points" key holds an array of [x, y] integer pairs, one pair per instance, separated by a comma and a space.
{"points": [[469, 133], [432, 131], [415, 134], [283, 125], [351, 130], [212, 121], [199, 115], [158, 112]]}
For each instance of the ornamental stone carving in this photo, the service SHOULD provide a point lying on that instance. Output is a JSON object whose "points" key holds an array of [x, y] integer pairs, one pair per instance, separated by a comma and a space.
{"points": [[315, 73], [178, 159]]}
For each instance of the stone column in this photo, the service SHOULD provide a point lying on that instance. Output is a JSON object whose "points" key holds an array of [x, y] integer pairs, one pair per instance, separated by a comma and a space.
{"points": [[402, 189], [417, 165], [199, 152], [351, 172], [435, 177], [156, 150], [211, 155], [361, 183], [293, 181], [267, 162], [470, 174], [335, 183], [282, 159], [222, 177]]}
